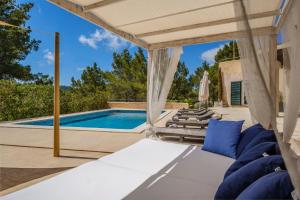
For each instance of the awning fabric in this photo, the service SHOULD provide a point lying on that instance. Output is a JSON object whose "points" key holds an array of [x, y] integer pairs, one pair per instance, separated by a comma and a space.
{"points": [[169, 23]]}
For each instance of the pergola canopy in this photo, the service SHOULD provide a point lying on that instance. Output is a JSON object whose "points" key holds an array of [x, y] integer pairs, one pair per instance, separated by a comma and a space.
{"points": [[158, 24]]}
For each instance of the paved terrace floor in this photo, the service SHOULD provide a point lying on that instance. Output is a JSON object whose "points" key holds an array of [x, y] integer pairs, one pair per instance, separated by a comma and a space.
{"points": [[31, 149], [26, 153]]}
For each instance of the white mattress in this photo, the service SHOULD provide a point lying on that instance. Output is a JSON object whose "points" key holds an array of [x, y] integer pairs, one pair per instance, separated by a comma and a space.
{"points": [[110, 177]]}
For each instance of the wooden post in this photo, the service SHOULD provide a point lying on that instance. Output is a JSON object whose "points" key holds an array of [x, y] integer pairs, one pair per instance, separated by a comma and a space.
{"points": [[56, 144]]}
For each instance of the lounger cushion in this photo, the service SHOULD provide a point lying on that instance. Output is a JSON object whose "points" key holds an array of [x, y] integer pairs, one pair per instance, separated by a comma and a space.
{"points": [[264, 136], [258, 151], [247, 135], [222, 137], [196, 176], [276, 185], [248, 174]]}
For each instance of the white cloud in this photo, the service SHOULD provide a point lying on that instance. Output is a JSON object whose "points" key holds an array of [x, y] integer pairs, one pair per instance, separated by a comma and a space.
{"points": [[80, 68], [110, 40], [48, 56], [209, 55]]}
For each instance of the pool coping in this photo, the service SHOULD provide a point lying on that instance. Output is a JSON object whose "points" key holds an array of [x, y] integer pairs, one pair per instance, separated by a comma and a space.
{"points": [[139, 129]]}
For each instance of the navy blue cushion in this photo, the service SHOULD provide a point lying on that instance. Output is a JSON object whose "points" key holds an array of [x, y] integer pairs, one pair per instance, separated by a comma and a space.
{"points": [[264, 136], [270, 148], [222, 137], [276, 185], [247, 135], [236, 182]]}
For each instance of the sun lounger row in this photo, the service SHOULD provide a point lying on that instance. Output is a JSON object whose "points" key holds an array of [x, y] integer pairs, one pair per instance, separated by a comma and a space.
{"points": [[194, 120], [182, 133], [199, 117], [187, 126], [184, 110], [187, 123]]}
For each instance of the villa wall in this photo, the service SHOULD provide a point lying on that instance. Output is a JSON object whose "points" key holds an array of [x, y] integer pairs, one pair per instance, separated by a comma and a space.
{"points": [[231, 71], [143, 105]]}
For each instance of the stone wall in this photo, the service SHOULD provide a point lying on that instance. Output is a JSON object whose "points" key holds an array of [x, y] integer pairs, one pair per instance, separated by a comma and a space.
{"points": [[143, 105]]}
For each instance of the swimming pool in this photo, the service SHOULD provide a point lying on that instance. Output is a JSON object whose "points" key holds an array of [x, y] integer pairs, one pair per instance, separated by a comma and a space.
{"points": [[108, 119]]}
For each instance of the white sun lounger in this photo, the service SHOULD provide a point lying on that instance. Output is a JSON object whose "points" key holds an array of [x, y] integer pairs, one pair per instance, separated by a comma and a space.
{"points": [[180, 132]]}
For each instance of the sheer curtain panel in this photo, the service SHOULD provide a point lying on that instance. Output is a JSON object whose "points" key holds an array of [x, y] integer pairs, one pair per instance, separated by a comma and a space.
{"points": [[162, 65]]}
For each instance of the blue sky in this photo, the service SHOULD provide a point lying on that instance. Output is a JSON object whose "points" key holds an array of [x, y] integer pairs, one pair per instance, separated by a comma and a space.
{"points": [[83, 43]]}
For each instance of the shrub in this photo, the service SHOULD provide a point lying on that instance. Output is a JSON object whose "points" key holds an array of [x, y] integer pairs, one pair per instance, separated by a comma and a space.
{"points": [[24, 100], [75, 101], [27, 100]]}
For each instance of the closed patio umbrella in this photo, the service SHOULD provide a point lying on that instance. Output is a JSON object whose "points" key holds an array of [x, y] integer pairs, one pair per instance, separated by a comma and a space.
{"points": [[203, 88]]}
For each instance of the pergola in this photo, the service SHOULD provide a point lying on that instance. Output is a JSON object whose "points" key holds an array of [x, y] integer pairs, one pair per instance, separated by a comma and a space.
{"points": [[159, 24], [163, 25]]}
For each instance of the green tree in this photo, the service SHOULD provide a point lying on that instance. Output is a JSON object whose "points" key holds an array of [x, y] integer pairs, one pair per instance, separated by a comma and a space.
{"points": [[213, 74], [139, 66], [228, 52], [198, 74], [87, 93], [16, 43], [42, 79], [92, 80], [181, 87], [128, 79]]}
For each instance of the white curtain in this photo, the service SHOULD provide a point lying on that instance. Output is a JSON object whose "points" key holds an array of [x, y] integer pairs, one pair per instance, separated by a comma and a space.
{"points": [[255, 69], [162, 65], [291, 36], [257, 58]]}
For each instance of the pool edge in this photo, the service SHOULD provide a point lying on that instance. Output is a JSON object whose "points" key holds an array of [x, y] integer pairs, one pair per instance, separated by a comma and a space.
{"points": [[138, 129]]}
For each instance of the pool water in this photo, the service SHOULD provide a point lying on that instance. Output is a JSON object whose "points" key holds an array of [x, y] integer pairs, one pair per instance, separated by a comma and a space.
{"points": [[113, 119]]}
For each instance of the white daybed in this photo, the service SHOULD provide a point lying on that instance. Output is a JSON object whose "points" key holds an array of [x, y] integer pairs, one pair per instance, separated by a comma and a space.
{"points": [[147, 165]]}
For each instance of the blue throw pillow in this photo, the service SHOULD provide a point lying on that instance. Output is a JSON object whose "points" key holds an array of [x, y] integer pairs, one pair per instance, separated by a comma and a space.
{"points": [[247, 135], [222, 137], [258, 151], [265, 136], [234, 184], [276, 185]]}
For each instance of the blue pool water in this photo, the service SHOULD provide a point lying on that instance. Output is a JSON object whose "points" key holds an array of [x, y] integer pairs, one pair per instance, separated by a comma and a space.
{"points": [[114, 119]]}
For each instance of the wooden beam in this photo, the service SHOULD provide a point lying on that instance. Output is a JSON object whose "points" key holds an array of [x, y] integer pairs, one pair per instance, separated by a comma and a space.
{"points": [[78, 10], [100, 4], [179, 13], [212, 38], [284, 15], [56, 145], [273, 74], [211, 23]]}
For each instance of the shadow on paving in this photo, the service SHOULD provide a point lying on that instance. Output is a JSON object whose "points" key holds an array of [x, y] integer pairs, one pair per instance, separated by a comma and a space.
{"points": [[10, 177]]}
